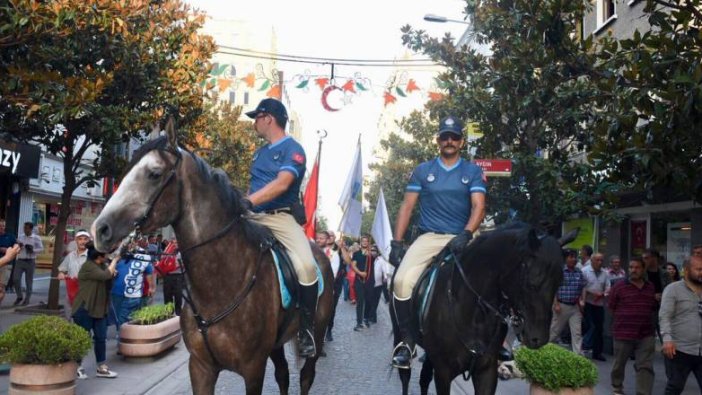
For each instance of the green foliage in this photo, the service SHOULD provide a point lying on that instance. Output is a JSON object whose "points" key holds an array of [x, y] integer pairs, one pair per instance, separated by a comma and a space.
{"points": [[553, 367], [532, 98], [44, 340], [225, 141], [153, 314], [648, 135]]}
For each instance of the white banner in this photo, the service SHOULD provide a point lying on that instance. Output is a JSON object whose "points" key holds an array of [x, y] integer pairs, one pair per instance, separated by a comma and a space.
{"points": [[381, 231], [352, 197]]}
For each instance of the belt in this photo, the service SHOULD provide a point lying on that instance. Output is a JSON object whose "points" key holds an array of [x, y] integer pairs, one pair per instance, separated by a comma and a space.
{"points": [[568, 303], [279, 210]]}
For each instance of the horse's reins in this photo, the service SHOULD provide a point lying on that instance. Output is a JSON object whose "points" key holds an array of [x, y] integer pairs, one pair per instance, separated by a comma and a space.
{"points": [[485, 305], [202, 323]]}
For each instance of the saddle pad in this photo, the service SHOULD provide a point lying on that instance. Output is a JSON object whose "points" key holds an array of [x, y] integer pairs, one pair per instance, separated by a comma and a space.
{"points": [[286, 298], [424, 290]]}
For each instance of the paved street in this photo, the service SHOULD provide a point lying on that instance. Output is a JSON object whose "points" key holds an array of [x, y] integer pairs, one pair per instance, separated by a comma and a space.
{"points": [[357, 363]]}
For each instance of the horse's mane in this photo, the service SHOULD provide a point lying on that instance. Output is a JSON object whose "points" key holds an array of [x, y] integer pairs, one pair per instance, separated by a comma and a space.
{"points": [[517, 234], [227, 193]]}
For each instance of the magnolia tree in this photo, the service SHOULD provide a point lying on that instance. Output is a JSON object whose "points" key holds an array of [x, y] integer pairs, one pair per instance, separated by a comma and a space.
{"points": [[83, 74]]}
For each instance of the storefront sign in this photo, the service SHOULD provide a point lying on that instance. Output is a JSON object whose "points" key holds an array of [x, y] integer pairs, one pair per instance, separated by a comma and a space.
{"points": [[21, 159]]}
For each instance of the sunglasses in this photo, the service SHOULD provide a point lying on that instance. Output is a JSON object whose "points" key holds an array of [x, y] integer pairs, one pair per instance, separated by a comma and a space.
{"points": [[259, 116], [447, 136]]}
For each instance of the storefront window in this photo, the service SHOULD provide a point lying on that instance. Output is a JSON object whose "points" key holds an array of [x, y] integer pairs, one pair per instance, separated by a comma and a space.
{"points": [[45, 217], [671, 235]]}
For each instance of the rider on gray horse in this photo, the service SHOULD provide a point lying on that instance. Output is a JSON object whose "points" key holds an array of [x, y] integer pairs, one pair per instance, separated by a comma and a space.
{"points": [[451, 193], [276, 174]]}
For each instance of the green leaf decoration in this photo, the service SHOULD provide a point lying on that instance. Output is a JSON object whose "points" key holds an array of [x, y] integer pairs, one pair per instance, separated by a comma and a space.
{"points": [[213, 82], [222, 68], [400, 91], [265, 85], [441, 84], [303, 84], [360, 86]]}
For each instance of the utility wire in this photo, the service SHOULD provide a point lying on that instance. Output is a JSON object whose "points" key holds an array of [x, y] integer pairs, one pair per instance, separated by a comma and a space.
{"points": [[329, 61], [325, 60]]}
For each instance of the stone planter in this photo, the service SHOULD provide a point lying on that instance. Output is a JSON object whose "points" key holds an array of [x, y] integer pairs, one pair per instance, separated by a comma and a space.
{"points": [[43, 379], [537, 390], [149, 340]]}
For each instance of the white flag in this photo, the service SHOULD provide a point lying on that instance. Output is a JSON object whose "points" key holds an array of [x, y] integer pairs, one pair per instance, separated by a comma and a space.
{"points": [[351, 198], [381, 231]]}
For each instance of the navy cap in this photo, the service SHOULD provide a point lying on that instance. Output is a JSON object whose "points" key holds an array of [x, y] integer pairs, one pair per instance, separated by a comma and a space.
{"points": [[269, 106], [451, 124]]}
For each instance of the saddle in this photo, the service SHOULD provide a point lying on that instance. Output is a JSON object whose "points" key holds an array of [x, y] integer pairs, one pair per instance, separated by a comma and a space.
{"points": [[289, 285], [423, 292]]}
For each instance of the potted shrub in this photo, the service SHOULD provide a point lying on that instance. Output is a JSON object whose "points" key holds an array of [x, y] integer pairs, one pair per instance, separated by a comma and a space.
{"points": [[554, 370], [43, 352], [152, 330]]}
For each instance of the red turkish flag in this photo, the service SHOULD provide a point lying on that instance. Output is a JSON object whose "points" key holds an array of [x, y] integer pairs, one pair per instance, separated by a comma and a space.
{"points": [[310, 201]]}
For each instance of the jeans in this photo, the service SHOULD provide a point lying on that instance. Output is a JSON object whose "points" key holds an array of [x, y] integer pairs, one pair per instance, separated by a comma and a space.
{"points": [[123, 308], [345, 286], [25, 266], [372, 299], [98, 326], [681, 366]]}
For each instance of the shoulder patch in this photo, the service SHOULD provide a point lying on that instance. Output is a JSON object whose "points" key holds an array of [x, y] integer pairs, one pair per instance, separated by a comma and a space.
{"points": [[298, 158]]}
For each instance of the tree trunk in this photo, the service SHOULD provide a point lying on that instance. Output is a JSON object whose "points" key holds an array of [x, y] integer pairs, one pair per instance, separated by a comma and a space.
{"points": [[64, 212]]}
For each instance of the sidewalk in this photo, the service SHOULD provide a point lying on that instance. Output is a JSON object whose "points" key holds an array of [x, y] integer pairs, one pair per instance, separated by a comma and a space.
{"points": [[136, 375], [168, 373]]}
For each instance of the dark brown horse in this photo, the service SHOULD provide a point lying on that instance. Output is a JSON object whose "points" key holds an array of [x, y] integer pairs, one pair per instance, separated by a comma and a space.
{"points": [[508, 275], [235, 317]]}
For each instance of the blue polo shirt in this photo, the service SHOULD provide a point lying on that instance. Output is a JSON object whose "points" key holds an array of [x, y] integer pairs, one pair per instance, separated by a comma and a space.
{"points": [[7, 240], [284, 155], [444, 194]]}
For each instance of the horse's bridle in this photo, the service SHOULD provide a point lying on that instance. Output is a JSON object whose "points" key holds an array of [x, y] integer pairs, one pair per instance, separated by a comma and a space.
{"points": [[507, 312], [202, 323], [142, 220]]}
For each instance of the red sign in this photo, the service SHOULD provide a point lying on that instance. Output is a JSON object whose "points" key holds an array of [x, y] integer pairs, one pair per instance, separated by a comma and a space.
{"points": [[495, 167]]}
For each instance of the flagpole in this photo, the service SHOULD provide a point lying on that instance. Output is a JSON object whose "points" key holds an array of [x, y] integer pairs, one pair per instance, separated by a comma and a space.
{"points": [[321, 134]]}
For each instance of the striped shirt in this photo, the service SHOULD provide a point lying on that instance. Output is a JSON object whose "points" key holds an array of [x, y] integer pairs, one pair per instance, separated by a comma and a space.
{"points": [[573, 283], [632, 310]]}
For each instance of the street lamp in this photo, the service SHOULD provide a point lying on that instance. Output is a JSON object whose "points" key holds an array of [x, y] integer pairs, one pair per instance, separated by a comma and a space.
{"points": [[442, 19]]}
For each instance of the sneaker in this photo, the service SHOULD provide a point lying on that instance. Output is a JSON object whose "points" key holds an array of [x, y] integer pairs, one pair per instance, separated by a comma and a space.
{"points": [[358, 328], [104, 371], [80, 373], [17, 302]]}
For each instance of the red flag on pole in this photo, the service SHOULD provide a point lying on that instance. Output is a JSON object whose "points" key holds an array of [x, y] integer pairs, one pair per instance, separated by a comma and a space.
{"points": [[310, 201]]}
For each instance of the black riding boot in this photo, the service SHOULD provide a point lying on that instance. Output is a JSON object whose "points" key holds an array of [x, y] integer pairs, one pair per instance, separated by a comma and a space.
{"points": [[404, 351], [308, 307]]}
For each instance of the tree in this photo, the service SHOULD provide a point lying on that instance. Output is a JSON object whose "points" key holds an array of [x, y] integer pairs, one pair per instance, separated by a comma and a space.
{"points": [[79, 75], [225, 141], [532, 99], [648, 135]]}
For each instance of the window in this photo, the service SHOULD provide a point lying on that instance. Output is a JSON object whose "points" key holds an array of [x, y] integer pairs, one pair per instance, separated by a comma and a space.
{"points": [[606, 13], [232, 97]]}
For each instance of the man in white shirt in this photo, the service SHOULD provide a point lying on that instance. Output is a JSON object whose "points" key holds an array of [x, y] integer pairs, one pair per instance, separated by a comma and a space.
{"points": [[595, 291], [71, 264], [26, 262]]}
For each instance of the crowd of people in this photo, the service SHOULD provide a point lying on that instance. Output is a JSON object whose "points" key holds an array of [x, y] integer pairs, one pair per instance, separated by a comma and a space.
{"points": [[101, 290], [361, 276], [649, 301]]}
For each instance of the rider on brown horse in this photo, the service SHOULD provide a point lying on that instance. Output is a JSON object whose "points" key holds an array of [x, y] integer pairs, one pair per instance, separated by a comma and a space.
{"points": [[451, 193], [276, 174]]}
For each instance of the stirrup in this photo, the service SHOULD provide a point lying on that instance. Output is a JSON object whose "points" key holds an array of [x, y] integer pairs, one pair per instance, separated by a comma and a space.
{"points": [[412, 351], [314, 345]]}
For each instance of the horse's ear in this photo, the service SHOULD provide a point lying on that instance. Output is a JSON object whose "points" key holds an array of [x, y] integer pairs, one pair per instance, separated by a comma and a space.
{"points": [[568, 237], [171, 134]]}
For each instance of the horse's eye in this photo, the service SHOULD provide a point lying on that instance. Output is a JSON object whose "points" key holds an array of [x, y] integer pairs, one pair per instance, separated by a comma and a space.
{"points": [[154, 175]]}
